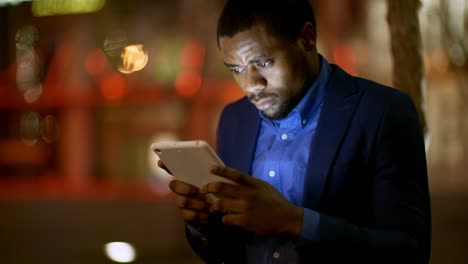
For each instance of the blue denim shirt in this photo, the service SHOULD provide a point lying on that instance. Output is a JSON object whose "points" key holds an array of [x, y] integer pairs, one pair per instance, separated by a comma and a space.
{"points": [[281, 158]]}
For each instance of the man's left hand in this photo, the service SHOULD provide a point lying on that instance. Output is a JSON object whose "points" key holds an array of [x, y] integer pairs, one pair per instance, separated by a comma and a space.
{"points": [[254, 205]]}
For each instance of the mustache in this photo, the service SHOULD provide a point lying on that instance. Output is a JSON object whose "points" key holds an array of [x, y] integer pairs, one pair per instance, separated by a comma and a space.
{"points": [[258, 96]]}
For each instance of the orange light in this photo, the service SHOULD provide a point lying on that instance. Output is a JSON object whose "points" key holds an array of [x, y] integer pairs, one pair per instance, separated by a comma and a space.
{"points": [[188, 83], [113, 87], [192, 55], [231, 92], [344, 56], [96, 63]]}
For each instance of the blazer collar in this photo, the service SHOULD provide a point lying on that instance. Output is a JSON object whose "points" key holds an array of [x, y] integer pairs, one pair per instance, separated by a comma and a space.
{"points": [[248, 138]]}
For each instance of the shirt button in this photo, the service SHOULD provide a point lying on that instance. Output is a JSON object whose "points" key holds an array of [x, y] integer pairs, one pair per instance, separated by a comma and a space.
{"points": [[276, 255], [284, 136], [272, 173], [304, 121]]}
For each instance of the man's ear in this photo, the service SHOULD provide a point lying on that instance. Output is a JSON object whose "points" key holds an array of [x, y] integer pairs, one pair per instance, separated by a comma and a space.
{"points": [[308, 36]]}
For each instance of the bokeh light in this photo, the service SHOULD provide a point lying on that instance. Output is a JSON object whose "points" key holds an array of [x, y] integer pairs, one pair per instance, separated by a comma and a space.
{"points": [[26, 37], [134, 58], [33, 93], [60, 7], [49, 129], [30, 127], [27, 71], [120, 252], [96, 62], [166, 62], [344, 55], [192, 55], [113, 87], [188, 83]]}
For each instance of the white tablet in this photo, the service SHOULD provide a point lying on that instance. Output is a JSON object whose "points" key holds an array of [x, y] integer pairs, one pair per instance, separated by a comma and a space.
{"points": [[189, 161]]}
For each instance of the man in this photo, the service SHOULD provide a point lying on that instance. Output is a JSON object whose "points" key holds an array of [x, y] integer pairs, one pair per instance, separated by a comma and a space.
{"points": [[337, 163]]}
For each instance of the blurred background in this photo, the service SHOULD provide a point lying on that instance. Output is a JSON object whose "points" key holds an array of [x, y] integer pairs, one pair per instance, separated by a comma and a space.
{"points": [[87, 85]]}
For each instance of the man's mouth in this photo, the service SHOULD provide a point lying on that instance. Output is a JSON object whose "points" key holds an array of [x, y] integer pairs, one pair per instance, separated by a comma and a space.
{"points": [[263, 103]]}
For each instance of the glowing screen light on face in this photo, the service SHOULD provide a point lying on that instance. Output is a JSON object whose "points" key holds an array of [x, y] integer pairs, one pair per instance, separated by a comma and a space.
{"points": [[120, 252]]}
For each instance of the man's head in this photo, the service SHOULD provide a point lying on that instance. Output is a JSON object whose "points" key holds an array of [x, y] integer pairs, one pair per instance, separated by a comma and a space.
{"points": [[270, 48], [283, 18]]}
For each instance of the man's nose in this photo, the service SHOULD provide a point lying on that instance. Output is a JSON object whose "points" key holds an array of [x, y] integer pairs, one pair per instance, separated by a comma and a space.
{"points": [[255, 82]]}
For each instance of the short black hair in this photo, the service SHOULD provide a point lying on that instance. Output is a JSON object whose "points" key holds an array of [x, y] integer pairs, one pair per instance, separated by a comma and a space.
{"points": [[283, 18]]}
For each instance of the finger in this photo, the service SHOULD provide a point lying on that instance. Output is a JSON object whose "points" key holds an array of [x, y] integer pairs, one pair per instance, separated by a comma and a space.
{"points": [[183, 188], [184, 202], [233, 175], [234, 220], [222, 189], [194, 217], [229, 205], [163, 166]]}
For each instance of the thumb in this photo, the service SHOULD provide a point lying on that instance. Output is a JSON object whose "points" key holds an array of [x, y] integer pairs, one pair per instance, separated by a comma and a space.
{"points": [[233, 175]]}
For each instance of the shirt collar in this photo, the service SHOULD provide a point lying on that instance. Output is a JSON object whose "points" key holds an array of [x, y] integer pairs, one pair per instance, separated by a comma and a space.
{"points": [[300, 114]]}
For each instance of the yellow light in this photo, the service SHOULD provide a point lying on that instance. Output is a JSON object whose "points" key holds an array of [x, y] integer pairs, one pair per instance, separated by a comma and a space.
{"points": [[134, 58], [60, 7]]}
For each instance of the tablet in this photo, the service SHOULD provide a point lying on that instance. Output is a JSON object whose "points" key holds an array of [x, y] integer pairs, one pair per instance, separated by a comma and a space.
{"points": [[189, 161]]}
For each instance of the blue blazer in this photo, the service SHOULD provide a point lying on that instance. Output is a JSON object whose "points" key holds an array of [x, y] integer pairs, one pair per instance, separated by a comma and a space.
{"points": [[366, 176]]}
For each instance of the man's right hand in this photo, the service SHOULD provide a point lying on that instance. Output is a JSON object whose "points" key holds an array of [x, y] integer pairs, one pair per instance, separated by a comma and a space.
{"points": [[193, 205]]}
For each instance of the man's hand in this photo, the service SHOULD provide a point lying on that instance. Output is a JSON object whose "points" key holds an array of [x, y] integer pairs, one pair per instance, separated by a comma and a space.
{"points": [[192, 204], [254, 205]]}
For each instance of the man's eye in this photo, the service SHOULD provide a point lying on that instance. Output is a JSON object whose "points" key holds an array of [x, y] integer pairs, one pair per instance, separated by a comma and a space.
{"points": [[237, 70], [263, 64]]}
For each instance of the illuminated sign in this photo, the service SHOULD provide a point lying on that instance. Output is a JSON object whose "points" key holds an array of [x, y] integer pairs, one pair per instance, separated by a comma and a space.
{"points": [[62, 7]]}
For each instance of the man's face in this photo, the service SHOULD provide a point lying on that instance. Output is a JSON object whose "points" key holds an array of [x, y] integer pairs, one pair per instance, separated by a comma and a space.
{"points": [[271, 71]]}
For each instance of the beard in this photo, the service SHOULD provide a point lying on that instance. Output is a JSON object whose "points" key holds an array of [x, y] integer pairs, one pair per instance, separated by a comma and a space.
{"points": [[279, 111], [281, 108]]}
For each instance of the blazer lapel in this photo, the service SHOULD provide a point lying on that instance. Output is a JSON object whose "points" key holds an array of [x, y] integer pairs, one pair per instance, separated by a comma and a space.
{"points": [[247, 140], [337, 112]]}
